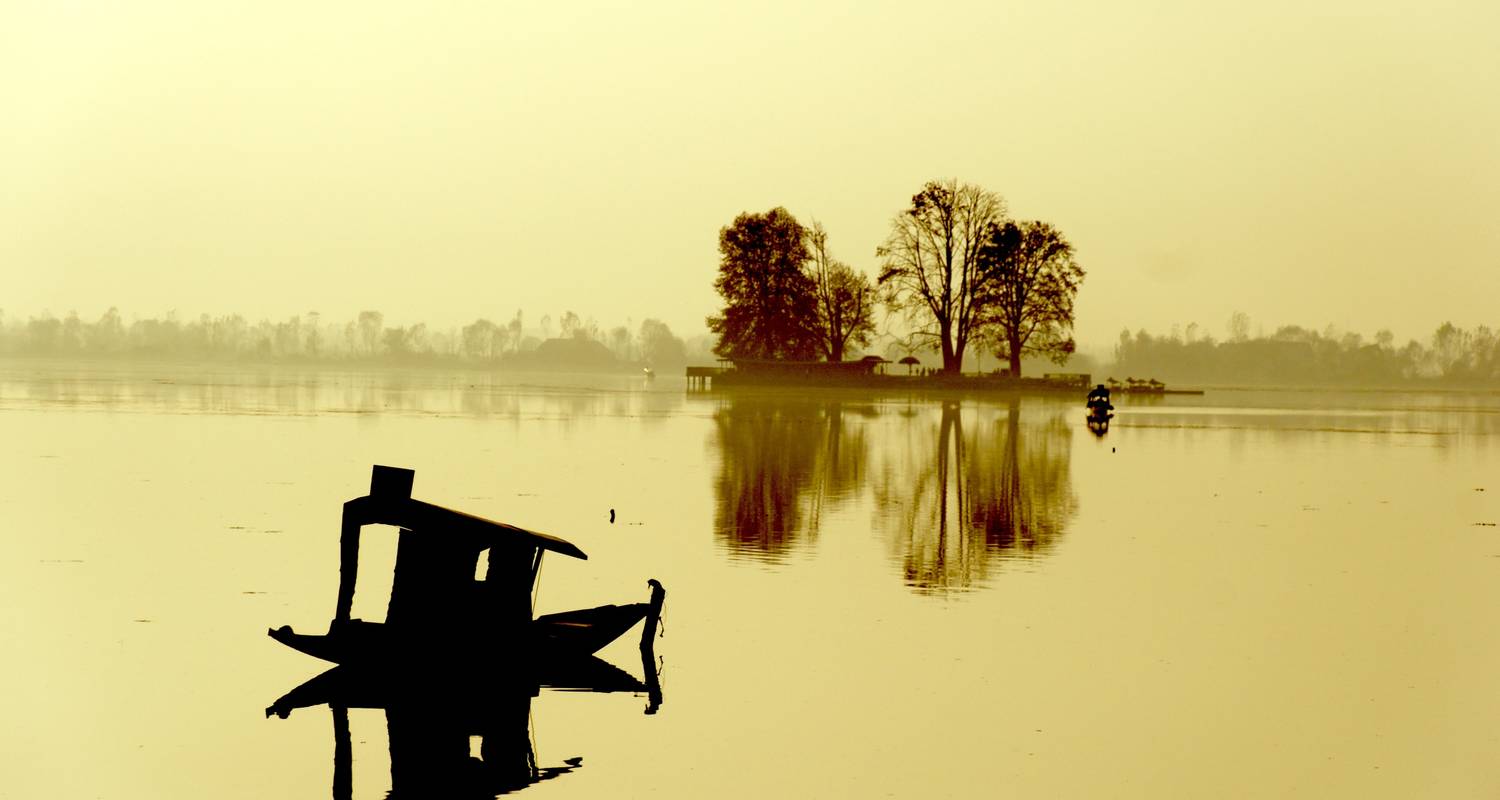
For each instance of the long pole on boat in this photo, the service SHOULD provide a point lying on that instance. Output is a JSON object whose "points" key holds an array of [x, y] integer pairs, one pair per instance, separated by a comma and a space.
{"points": [[648, 645]]}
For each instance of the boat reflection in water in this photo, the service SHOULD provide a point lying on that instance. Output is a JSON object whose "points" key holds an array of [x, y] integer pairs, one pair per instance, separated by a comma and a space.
{"points": [[433, 717], [458, 656]]}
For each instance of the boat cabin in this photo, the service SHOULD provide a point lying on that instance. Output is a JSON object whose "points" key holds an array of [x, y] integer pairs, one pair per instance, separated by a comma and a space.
{"points": [[435, 590]]}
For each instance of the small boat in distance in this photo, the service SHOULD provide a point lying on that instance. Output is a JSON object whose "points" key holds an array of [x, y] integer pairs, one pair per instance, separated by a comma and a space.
{"points": [[439, 608], [1100, 410]]}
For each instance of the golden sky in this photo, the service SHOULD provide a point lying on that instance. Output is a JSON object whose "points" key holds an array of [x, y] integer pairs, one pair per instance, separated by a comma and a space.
{"points": [[1303, 162]]}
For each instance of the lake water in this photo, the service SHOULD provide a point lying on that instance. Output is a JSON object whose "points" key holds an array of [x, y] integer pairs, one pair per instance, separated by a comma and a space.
{"points": [[1244, 594]]}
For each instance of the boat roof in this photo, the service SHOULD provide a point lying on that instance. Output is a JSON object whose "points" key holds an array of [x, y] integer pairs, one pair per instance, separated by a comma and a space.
{"points": [[390, 503]]}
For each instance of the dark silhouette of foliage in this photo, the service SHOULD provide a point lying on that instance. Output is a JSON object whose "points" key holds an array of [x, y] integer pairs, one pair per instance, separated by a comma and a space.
{"points": [[931, 266], [769, 300], [782, 463], [1031, 282]]}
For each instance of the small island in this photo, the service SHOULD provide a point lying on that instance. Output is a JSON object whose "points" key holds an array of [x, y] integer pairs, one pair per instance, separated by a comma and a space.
{"points": [[872, 372], [957, 273]]}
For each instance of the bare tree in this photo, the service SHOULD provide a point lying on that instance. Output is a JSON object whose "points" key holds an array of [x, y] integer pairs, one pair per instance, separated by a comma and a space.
{"points": [[846, 300], [932, 270], [514, 328]]}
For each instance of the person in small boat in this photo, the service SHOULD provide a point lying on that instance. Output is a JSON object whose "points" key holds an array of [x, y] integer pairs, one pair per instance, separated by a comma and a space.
{"points": [[1098, 401]]}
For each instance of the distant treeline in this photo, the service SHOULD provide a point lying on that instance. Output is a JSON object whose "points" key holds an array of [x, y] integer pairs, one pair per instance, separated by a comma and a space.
{"points": [[1298, 356], [572, 342]]}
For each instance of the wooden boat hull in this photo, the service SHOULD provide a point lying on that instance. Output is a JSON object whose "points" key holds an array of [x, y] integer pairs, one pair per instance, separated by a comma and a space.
{"points": [[569, 634], [572, 633]]}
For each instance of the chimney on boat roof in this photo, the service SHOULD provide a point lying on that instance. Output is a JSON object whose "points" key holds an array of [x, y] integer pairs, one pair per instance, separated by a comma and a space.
{"points": [[391, 482]]}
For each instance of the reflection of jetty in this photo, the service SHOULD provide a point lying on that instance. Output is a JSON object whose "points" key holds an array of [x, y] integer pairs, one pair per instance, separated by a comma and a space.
{"points": [[874, 372]]}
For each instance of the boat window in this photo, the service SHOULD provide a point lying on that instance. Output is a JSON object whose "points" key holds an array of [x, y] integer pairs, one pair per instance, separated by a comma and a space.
{"points": [[482, 564], [377, 569]]}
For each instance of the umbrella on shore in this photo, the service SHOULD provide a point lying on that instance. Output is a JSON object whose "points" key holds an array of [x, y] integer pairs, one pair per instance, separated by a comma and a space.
{"points": [[909, 361]]}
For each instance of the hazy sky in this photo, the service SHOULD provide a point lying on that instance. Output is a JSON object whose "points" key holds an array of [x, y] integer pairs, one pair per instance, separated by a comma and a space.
{"points": [[1301, 161]]}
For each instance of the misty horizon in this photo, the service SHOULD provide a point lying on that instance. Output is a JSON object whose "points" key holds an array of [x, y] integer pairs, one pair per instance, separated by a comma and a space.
{"points": [[1100, 348], [1290, 355]]}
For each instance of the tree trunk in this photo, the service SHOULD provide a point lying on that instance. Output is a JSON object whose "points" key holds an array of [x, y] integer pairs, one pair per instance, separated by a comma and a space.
{"points": [[836, 353], [951, 364], [1015, 358]]}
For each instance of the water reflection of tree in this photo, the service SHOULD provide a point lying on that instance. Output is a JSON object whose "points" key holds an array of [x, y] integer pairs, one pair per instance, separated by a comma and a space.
{"points": [[782, 465], [962, 501]]}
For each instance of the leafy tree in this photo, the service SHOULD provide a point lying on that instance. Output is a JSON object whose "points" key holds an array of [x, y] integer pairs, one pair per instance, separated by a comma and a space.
{"points": [[659, 347], [1031, 281], [403, 343], [108, 334], [371, 323], [619, 341], [932, 270], [1239, 326], [483, 339], [770, 309], [846, 300]]}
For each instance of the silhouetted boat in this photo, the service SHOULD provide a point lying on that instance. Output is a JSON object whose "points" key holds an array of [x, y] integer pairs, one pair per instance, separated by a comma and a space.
{"points": [[1100, 410], [439, 608]]}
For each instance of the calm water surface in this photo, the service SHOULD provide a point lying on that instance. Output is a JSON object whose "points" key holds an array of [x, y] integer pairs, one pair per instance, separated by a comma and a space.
{"points": [[1245, 594]]}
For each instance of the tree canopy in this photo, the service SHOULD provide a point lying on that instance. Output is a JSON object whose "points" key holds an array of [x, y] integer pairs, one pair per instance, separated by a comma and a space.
{"points": [[1031, 280], [770, 306]]}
